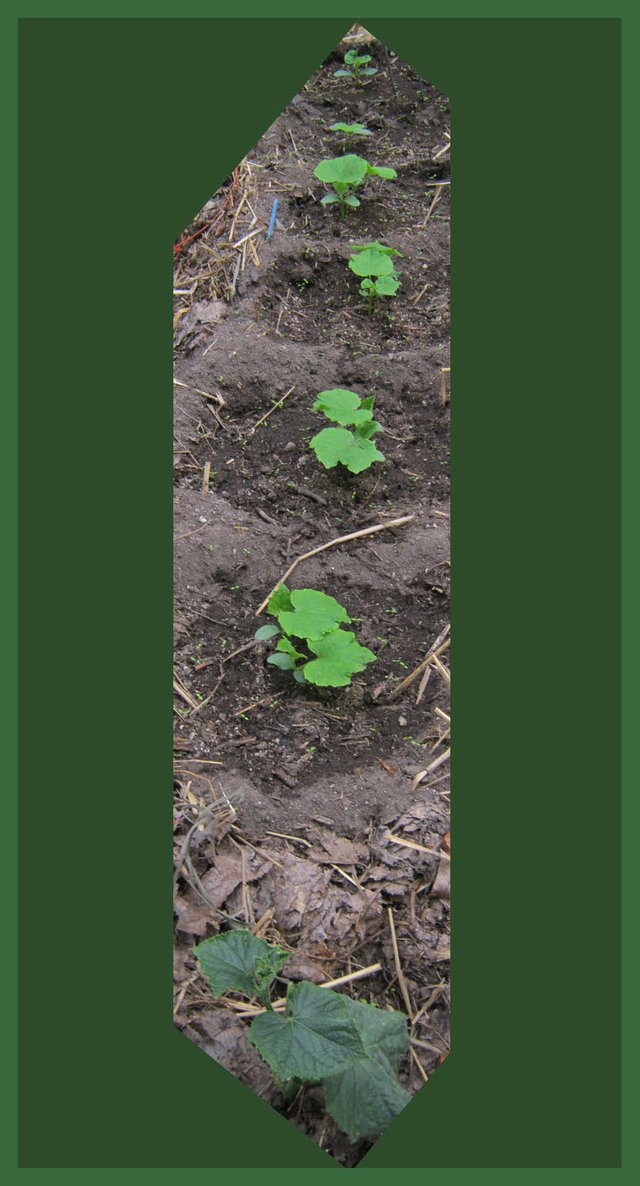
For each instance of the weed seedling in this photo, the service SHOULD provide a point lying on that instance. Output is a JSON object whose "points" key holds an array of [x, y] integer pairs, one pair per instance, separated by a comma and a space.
{"points": [[356, 66], [373, 263], [351, 1047], [340, 446], [345, 174], [314, 620]]}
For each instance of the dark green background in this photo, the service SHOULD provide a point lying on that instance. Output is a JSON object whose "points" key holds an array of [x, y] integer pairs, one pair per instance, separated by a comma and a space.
{"points": [[126, 128]]}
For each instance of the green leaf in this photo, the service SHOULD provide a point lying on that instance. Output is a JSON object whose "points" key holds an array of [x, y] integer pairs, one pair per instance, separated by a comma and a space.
{"points": [[368, 428], [339, 657], [370, 70], [264, 632], [314, 1038], [343, 74], [280, 599], [382, 171], [334, 446], [374, 247], [387, 285], [284, 662], [330, 444], [350, 57], [351, 200], [328, 199], [314, 613], [347, 170], [238, 960], [361, 60], [345, 407], [364, 1099], [287, 646], [351, 129], [371, 262]]}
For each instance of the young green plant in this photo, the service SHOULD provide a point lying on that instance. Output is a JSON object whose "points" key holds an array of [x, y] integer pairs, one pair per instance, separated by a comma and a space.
{"points": [[349, 132], [356, 66], [345, 174], [351, 1047], [314, 620], [340, 446], [372, 262]]}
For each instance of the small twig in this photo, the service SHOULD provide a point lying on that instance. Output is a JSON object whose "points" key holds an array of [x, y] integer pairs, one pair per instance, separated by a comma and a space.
{"points": [[399, 973], [432, 852], [188, 533], [436, 199], [423, 683], [342, 539], [206, 477], [247, 708], [434, 766], [441, 668], [279, 1005], [443, 384], [419, 1065], [181, 691], [207, 394], [438, 646], [273, 409], [307, 494], [391, 78]]}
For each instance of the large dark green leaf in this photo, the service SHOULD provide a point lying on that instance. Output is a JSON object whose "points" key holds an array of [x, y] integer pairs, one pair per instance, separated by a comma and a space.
{"points": [[315, 1037]]}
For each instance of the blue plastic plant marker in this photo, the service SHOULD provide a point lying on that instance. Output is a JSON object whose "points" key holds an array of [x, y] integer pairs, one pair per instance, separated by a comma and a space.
{"points": [[272, 221]]}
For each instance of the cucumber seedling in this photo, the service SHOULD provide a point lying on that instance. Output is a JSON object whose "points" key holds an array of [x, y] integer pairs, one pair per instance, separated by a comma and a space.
{"points": [[356, 66], [345, 174], [351, 1047], [314, 620], [340, 446], [373, 263]]}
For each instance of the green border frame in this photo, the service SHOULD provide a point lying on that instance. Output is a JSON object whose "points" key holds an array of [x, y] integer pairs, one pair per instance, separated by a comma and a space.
{"points": [[67, 793]]}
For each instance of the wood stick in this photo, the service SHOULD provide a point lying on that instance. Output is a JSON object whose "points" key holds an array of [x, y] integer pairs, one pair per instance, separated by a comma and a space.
{"points": [[276, 405], [342, 539], [399, 973], [432, 852], [438, 646]]}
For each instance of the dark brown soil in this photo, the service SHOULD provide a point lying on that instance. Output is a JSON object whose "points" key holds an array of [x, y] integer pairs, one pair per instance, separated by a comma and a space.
{"points": [[280, 318]]}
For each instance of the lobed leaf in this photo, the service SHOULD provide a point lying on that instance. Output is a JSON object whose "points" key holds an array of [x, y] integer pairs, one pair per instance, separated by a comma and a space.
{"points": [[334, 446], [314, 614], [345, 407], [239, 961], [315, 1037], [364, 1099], [387, 285], [339, 657]]}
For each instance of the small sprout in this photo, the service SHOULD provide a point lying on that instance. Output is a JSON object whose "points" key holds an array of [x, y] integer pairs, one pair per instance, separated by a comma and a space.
{"points": [[355, 66], [373, 262], [339, 446], [345, 174], [350, 131]]}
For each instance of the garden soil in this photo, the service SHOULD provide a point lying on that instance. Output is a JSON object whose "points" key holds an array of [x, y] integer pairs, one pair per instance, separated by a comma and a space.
{"points": [[291, 801]]}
